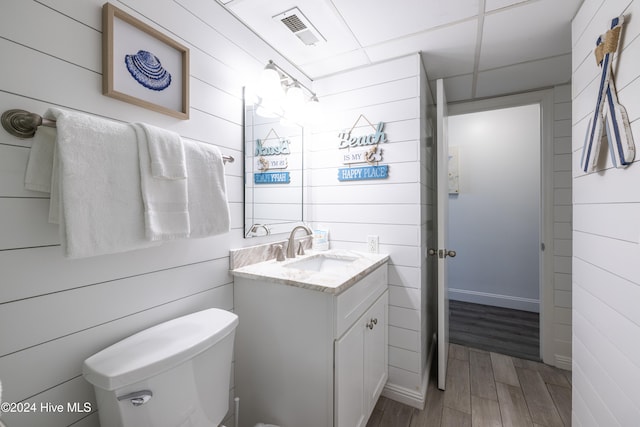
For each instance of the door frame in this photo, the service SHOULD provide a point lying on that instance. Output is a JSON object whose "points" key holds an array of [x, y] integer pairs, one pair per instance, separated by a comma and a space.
{"points": [[546, 286]]}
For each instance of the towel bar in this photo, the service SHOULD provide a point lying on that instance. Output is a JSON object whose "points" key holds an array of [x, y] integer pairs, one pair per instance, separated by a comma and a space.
{"points": [[23, 124]]}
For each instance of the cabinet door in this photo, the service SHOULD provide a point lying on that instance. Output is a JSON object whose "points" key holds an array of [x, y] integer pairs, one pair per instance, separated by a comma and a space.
{"points": [[376, 369], [349, 377]]}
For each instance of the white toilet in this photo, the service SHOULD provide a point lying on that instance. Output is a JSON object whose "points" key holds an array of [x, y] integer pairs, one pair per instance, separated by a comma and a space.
{"points": [[175, 374]]}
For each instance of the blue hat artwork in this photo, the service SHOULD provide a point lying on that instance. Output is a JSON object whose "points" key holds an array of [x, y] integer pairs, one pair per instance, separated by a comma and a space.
{"points": [[146, 68]]}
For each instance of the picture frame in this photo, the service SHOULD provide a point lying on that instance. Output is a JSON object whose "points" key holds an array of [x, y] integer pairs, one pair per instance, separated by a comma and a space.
{"points": [[142, 66]]}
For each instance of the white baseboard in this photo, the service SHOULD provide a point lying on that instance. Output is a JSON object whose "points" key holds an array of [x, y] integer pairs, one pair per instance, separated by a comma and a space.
{"points": [[404, 395], [563, 362], [506, 301], [411, 397]]}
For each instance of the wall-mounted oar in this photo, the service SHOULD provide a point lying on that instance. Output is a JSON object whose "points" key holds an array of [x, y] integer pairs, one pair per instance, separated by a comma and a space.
{"points": [[609, 115]]}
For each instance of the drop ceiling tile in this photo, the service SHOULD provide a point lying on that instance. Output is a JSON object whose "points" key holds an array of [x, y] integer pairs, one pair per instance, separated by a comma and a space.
{"points": [[258, 15], [490, 5], [377, 21], [447, 51], [341, 62], [528, 32], [522, 77], [459, 88]]}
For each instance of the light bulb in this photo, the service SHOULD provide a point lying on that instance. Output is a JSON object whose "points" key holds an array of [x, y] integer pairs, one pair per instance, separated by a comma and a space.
{"points": [[313, 113], [294, 102], [295, 97], [270, 87]]}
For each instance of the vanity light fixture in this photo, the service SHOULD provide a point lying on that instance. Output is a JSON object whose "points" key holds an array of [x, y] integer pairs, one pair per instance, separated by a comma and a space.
{"points": [[279, 94]]}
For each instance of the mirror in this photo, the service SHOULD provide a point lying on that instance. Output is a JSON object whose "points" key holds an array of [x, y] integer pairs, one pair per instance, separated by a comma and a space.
{"points": [[272, 173]]}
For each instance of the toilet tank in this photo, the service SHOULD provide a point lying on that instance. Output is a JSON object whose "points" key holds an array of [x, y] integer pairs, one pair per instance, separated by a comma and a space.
{"points": [[174, 374]]}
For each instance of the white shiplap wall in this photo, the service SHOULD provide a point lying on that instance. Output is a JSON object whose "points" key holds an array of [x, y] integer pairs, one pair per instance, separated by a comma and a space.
{"points": [[56, 312], [392, 209], [606, 235]]}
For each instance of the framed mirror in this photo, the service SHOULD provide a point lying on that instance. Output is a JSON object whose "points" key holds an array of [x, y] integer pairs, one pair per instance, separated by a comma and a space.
{"points": [[273, 173]]}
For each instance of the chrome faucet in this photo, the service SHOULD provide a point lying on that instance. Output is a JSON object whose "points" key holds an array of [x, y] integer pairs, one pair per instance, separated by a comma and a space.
{"points": [[291, 250]]}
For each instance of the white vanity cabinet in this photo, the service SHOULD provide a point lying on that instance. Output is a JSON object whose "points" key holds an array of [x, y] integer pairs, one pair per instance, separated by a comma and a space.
{"points": [[307, 357], [361, 366]]}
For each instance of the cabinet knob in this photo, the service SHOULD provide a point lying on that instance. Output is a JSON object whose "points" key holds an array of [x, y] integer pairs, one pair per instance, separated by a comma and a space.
{"points": [[372, 323]]}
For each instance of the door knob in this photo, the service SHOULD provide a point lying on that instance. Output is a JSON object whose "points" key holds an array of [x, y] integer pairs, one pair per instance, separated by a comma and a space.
{"points": [[443, 253], [431, 252]]}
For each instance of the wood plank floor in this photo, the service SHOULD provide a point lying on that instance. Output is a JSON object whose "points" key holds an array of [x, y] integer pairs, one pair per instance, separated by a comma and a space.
{"points": [[486, 389], [502, 330]]}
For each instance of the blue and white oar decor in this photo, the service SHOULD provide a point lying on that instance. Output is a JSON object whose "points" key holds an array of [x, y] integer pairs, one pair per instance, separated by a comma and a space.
{"points": [[609, 116]]}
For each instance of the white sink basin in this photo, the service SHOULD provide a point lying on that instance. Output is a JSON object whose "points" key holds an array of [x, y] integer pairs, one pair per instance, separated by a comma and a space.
{"points": [[332, 271], [321, 262]]}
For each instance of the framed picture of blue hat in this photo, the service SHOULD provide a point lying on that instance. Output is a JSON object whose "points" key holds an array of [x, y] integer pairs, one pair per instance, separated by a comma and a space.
{"points": [[142, 66]]}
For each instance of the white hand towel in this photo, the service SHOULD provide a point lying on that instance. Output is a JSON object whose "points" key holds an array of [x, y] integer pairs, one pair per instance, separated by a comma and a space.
{"points": [[166, 152], [101, 210], [54, 201], [208, 205], [165, 200], [40, 163]]}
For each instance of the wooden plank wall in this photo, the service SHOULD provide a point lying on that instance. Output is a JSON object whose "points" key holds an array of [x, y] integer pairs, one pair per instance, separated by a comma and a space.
{"points": [[391, 208], [562, 226], [606, 234], [55, 312]]}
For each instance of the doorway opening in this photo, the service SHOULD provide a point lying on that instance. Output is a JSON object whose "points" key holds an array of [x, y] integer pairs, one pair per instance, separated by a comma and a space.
{"points": [[494, 224]]}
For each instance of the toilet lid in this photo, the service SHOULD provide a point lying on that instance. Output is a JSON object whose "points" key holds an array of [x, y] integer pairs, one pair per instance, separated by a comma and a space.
{"points": [[158, 348]]}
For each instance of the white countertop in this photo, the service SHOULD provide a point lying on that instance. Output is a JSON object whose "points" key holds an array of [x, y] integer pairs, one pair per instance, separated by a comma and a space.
{"points": [[335, 281]]}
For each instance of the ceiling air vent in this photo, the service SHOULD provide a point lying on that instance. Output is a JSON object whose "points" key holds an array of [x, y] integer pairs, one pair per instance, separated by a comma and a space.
{"points": [[299, 25]]}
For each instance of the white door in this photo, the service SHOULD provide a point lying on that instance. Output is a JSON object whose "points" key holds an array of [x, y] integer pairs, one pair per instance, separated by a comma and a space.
{"points": [[443, 252]]}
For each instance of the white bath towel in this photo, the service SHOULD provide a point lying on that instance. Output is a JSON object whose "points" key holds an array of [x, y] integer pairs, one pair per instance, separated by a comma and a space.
{"points": [[208, 205], [166, 152], [40, 163], [165, 200], [98, 174]]}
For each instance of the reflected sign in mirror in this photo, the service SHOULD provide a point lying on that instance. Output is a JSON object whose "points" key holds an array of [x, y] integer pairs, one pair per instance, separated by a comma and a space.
{"points": [[273, 165]]}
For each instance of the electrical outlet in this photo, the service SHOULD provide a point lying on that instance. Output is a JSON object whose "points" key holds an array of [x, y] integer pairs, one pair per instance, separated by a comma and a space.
{"points": [[372, 244]]}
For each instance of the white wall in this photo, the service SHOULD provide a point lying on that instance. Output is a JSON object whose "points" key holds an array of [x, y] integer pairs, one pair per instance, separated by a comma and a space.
{"points": [[56, 312], [606, 235], [494, 220], [391, 208]]}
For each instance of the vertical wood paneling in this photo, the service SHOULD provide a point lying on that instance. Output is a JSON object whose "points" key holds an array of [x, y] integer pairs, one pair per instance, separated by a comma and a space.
{"points": [[605, 280], [56, 312]]}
